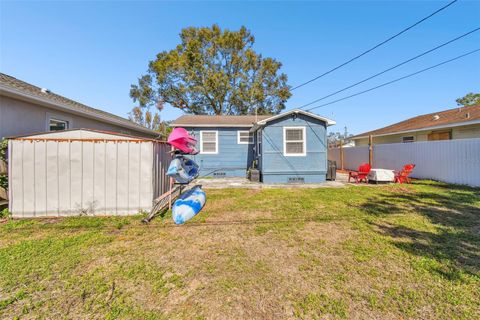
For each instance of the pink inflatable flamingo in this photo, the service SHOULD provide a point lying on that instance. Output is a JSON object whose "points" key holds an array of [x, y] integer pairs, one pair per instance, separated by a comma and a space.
{"points": [[181, 140]]}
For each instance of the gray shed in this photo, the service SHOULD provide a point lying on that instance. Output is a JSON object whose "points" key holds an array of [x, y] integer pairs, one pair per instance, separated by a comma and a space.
{"points": [[82, 171]]}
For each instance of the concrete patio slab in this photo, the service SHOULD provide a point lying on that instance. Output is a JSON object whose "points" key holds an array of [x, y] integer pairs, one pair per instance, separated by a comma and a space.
{"points": [[223, 183]]}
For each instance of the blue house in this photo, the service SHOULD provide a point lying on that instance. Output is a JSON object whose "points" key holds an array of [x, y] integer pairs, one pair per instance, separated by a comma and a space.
{"points": [[290, 147]]}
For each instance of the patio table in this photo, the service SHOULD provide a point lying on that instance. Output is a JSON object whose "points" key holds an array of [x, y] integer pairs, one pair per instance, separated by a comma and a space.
{"points": [[381, 175]]}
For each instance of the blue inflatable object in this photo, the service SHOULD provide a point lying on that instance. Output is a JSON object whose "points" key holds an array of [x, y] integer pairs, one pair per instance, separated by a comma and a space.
{"points": [[182, 169], [188, 205]]}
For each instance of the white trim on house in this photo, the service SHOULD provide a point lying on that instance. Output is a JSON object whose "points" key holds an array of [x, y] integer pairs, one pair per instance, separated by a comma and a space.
{"points": [[188, 125], [250, 137], [201, 142], [304, 141], [259, 142], [22, 95], [329, 122], [445, 126]]}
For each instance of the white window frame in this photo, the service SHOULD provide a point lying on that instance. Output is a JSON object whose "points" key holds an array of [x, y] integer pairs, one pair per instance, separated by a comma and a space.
{"points": [[57, 117], [250, 137], [67, 124], [304, 140], [201, 142], [413, 139], [259, 142]]}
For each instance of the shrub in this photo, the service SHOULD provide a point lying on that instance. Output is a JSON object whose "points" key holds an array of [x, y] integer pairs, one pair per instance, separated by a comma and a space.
{"points": [[4, 213], [3, 149], [3, 157], [3, 181]]}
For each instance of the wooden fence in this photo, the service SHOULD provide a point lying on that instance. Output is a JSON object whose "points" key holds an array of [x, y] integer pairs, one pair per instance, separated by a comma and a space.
{"points": [[452, 161]]}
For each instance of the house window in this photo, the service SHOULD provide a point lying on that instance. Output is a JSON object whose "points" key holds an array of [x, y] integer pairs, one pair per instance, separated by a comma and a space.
{"points": [[57, 125], [209, 142], [408, 139], [439, 135], [294, 141], [244, 137]]}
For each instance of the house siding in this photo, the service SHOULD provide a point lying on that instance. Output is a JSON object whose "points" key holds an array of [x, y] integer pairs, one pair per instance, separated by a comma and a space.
{"points": [[232, 159], [19, 117], [278, 168], [460, 132]]}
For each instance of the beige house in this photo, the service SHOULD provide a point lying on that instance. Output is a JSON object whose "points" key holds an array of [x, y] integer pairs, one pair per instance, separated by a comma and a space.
{"points": [[27, 109], [458, 123]]}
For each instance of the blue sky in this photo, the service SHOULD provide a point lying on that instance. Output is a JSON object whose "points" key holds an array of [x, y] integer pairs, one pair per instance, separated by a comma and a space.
{"points": [[93, 51]]}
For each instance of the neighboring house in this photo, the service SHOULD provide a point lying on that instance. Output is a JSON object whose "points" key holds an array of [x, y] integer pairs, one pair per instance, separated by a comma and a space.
{"points": [[337, 144], [289, 147], [27, 109], [458, 123]]}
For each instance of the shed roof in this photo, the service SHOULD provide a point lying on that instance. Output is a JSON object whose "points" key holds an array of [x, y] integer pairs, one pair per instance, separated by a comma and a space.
{"points": [[435, 120], [81, 135], [14, 87]]}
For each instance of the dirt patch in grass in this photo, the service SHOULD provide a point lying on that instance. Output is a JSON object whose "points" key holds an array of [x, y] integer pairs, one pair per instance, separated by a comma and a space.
{"points": [[219, 204], [396, 188], [330, 233], [252, 275]]}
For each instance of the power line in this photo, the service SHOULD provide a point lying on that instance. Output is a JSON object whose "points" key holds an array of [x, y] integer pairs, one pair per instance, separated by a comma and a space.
{"points": [[375, 47], [389, 69], [396, 80]]}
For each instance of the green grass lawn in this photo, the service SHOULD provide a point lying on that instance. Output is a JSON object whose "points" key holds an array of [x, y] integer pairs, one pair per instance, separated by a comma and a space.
{"points": [[387, 252]]}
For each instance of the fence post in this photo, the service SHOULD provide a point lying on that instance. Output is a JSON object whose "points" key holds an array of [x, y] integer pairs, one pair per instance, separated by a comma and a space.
{"points": [[341, 154], [370, 150]]}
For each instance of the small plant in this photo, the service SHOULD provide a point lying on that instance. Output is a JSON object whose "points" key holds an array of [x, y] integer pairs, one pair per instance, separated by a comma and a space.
{"points": [[4, 213], [3, 181], [3, 157], [3, 149]]}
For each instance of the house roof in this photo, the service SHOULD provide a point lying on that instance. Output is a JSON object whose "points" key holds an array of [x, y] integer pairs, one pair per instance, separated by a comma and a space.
{"points": [[436, 120], [329, 122], [217, 121], [11, 86], [247, 121]]}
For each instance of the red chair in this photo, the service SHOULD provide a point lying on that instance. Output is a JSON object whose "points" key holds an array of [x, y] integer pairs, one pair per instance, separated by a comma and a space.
{"points": [[402, 176], [361, 174]]}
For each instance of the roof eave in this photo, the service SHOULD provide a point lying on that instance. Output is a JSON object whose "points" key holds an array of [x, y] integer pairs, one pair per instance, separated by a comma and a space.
{"points": [[255, 126], [451, 125], [329, 122], [10, 92], [211, 125]]}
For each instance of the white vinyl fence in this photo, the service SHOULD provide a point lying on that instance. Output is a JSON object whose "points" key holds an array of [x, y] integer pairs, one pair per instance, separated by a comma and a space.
{"points": [[452, 161], [66, 177]]}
